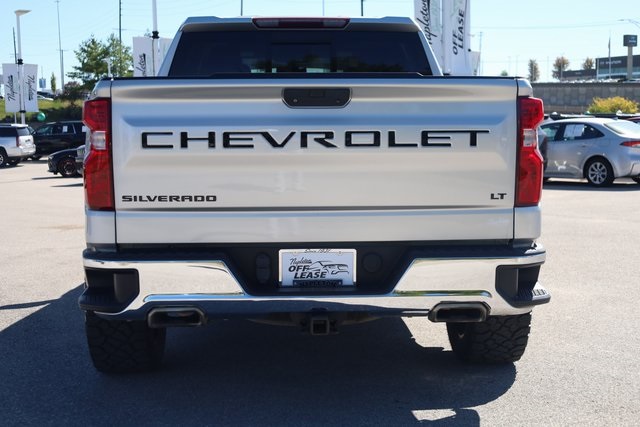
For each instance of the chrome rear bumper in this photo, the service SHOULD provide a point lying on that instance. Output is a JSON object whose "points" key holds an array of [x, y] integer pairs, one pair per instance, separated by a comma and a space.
{"points": [[499, 282]]}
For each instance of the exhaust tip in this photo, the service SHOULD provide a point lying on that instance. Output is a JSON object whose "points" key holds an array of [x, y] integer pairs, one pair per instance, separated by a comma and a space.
{"points": [[175, 316], [459, 312]]}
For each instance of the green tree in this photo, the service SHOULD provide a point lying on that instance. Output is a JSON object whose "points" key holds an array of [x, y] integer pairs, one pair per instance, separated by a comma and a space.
{"points": [[120, 56], [504, 73], [534, 71], [588, 64], [560, 65], [54, 83], [90, 54], [93, 54]]}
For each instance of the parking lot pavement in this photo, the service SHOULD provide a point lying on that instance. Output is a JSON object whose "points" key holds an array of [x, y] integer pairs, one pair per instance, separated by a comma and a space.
{"points": [[581, 366]]}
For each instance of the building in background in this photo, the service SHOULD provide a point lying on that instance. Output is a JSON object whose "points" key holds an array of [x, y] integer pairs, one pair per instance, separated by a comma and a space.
{"points": [[578, 75], [618, 68]]}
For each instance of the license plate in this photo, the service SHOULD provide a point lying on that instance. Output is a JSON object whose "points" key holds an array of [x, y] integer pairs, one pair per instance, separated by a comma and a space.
{"points": [[317, 268]]}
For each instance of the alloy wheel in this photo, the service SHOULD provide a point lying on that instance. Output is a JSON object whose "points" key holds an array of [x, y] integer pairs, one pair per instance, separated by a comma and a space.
{"points": [[598, 173]]}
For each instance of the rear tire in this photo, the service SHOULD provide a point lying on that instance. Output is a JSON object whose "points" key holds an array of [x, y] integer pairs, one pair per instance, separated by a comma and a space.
{"points": [[67, 167], [4, 160], [599, 172], [118, 346], [499, 339]]}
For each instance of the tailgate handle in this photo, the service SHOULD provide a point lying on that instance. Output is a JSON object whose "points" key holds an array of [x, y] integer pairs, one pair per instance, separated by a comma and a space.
{"points": [[316, 97]]}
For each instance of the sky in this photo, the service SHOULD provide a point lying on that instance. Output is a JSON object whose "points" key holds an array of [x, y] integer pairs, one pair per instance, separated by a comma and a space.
{"points": [[507, 33]]}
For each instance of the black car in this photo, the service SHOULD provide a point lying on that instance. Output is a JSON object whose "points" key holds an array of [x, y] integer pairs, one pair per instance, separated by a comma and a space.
{"points": [[64, 163], [55, 136]]}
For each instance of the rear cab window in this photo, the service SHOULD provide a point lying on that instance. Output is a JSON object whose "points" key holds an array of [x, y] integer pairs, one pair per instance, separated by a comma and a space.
{"points": [[272, 51]]}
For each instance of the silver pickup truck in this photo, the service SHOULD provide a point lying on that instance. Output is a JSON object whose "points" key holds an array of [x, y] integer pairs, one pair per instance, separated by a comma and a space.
{"points": [[315, 172]]}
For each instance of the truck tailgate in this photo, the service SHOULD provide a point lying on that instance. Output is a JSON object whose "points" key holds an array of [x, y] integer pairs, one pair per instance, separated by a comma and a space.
{"points": [[228, 161]]}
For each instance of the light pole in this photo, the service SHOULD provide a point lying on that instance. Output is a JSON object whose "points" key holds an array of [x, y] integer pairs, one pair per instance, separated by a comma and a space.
{"points": [[19, 13], [60, 48], [154, 39]]}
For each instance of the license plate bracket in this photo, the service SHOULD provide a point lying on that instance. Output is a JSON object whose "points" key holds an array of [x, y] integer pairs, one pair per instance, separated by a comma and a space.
{"points": [[317, 268]]}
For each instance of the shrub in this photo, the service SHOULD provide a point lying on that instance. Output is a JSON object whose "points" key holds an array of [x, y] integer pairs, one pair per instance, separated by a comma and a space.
{"points": [[613, 105]]}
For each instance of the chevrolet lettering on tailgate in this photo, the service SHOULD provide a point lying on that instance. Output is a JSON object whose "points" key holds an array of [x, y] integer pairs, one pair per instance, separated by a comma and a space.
{"points": [[302, 139]]}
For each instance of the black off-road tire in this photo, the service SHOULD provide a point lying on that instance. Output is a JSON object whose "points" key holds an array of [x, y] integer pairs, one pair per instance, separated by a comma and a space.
{"points": [[499, 339], [118, 346]]}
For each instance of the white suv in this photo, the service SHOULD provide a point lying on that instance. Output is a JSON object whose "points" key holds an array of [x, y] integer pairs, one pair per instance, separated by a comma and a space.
{"points": [[16, 144]]}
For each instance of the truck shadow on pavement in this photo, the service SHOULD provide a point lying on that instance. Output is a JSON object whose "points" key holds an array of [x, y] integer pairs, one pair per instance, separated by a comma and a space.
{"points": [[238, 372]]}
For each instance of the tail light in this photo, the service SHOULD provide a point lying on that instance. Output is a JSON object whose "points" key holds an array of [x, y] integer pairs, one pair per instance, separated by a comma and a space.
{"points": [[98, 172], [634, 144], [529, 169]]}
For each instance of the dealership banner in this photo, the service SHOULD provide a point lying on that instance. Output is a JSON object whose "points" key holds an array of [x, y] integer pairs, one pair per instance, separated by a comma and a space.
{"points": [[445, 24], [428, 15], [30, 92], [460, 51], [12, 88], [142, 55], [142, 48]]}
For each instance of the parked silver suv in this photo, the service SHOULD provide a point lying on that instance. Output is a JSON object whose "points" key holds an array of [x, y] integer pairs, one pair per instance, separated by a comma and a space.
{"points": [[16, 144]]}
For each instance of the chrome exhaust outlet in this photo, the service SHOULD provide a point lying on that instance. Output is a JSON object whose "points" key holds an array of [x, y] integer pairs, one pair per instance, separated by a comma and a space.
{"points": [[165, 317], [455, 312]]}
